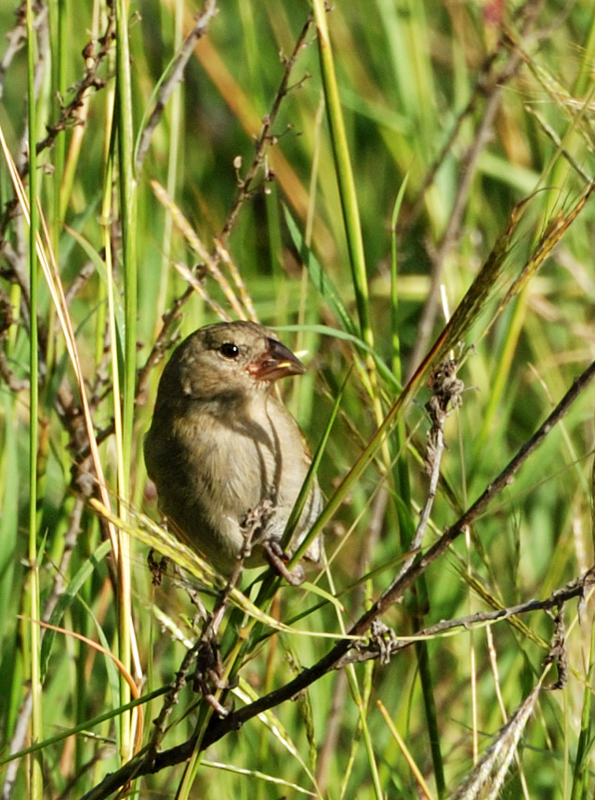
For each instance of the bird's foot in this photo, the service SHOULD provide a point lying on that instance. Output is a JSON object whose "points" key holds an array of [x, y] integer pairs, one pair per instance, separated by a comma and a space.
{"points": [[254, 523], [278, 558]]}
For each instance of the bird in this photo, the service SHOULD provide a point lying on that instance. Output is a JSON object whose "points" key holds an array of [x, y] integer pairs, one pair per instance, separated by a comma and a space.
{"points": [[224, 453]]}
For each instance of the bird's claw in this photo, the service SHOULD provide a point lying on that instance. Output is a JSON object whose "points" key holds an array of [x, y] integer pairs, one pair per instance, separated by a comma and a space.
{"points": [[278, 559]]}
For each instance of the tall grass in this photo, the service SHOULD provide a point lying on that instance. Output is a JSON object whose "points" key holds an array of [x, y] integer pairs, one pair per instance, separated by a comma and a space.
{"points": [[405, 195]]}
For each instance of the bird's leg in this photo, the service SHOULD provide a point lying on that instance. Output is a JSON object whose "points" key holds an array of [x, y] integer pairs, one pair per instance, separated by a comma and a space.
{"points": [[255, 523], [278, 558]]}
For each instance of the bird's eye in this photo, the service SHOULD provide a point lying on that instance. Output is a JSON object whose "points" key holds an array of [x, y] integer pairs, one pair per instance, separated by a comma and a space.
{"points": [[229, 350]]}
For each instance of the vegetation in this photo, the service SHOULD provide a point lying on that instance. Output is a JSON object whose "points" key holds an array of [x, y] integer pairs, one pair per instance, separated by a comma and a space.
{"points": [[402, 190]]}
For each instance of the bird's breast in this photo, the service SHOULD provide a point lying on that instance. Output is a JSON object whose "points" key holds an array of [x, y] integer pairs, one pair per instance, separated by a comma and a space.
{"points": [[239, 460]]}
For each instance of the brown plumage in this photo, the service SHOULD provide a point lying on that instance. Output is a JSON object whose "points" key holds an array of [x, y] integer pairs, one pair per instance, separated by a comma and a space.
{"points": [[221, 446]]}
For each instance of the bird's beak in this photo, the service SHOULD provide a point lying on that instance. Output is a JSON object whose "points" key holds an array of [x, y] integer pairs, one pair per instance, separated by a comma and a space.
{"points": [[276, 362]]}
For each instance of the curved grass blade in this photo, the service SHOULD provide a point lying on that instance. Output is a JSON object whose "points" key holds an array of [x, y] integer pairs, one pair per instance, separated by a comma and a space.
{"points": [[319, 278], [66, 599]]}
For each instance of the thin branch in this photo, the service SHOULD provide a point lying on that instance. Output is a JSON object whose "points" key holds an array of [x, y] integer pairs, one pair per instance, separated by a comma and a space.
{"points": [[17, 39], [488, 79], [205, 651], [446, 394], [493, 93], [68, 113], [245, 190], [504, 479], [481, 89], [234, 721], [576, 588], [90, 80], [83, 275], [170, 700], [265, 137], [551, 133], [175, 76]]}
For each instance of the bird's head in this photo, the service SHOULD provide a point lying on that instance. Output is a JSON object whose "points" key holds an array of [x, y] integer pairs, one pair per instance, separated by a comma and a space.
{"points": [[229, 360]]}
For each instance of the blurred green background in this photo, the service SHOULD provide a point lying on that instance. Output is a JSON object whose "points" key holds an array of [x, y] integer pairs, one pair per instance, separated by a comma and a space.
{"points": [[482, 113]]}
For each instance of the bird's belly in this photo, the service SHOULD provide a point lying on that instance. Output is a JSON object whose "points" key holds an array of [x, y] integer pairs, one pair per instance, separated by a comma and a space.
{"points": [[236, 478]]}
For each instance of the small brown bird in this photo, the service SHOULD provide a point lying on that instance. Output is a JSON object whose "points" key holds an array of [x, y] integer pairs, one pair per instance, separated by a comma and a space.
{"points": [[223, 451]]}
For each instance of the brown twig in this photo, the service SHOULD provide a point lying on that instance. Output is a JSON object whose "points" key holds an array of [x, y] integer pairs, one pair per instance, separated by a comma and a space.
{"points": [[67, 403], [265, 137], [81, 278], [170, 700], [57, 590], [90, 80], [68, 113], [220, 727], [17, 39], [492, 91], [6, 320], [446, 391], [245, 190], [175, 76], [204, 652], [575, 588]]}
